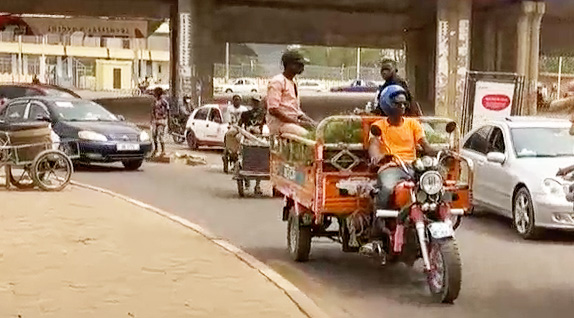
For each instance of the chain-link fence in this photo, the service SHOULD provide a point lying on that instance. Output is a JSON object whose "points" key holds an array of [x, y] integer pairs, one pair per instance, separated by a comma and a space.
{"points": [[311, 72], [556, 77]]}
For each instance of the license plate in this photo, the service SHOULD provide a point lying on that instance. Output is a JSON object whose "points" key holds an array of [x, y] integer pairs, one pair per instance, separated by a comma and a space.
{"points": [[128, 147], [439, 230]]}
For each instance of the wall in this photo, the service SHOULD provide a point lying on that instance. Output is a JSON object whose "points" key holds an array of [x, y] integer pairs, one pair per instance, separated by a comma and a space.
{"points": [[105, 74]]}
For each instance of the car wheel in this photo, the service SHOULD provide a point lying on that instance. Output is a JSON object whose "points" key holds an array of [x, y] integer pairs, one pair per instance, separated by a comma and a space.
{"points": [[254, 91], [229, 90], [191, 140], [132, 165], [523, 215]]}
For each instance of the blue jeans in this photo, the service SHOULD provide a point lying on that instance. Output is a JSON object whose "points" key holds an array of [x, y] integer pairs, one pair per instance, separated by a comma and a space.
{"points": [[387, 180]]}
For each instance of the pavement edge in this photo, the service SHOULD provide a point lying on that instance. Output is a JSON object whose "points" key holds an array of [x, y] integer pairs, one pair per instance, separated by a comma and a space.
{"points": [[305, 304]]}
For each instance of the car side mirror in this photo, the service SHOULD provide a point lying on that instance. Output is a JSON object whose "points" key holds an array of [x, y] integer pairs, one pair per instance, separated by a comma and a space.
{"points": [[496, 157], [451, 127], [376, 131], [121, 117], [44, 118]]}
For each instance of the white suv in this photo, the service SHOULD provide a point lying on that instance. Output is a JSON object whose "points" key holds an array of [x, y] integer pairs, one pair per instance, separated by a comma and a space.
{"points": [[241, 86]]}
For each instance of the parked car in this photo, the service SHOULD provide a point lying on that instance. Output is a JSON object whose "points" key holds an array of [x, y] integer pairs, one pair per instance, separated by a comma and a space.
{"points": [[16, 90], [516, 160], [207, 126], [102, 136], [239, 86], [311, 86], [358, 86]]}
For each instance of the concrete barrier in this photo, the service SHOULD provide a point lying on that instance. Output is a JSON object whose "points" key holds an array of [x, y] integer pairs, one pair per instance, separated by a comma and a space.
{"points": [[317, 106]]}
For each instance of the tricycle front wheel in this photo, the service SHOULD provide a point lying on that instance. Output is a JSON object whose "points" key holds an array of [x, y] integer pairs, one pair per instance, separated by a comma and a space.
{"points": [[52, 170], [298, 238], [445, 277]]}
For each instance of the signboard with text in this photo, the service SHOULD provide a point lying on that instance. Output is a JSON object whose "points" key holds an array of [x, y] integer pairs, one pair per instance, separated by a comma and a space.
{"points": [[89, 26], [492, 100]]}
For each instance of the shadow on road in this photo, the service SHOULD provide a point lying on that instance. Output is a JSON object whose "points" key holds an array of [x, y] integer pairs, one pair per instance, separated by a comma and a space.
{"points": [[501, 228]]}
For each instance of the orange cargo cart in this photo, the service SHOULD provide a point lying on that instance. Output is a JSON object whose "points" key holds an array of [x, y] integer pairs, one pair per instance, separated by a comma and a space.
{"points": [[324, 178]]}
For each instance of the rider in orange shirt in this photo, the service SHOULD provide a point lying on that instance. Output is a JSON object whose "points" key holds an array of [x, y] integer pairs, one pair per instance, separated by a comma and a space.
{"points": [[399, 136]]}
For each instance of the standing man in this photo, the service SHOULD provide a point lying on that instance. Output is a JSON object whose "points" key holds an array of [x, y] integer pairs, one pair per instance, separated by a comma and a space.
{"points": [[254, 119], [283, 102], [389, 70], [159, 117], [237, 109]]}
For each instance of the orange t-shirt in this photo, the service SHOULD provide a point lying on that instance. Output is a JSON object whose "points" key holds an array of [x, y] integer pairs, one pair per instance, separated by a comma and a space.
{"points": [[401, 140]]}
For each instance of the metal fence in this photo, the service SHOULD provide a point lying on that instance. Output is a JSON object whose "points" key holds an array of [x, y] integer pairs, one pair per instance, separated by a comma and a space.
{"points": [[556, 76], [311, 72]]}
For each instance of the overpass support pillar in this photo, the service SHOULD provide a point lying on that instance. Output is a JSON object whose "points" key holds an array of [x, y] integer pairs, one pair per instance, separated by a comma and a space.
{"points": [[182, 60], [508, 40], [452, 56], [204, 48], [528, 51]]}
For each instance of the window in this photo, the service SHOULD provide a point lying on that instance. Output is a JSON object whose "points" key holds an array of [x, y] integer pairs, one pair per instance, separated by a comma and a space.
{"points": [[215, 116], [496, 141], [479, 140], [201, 114], [37, 111], [15, 112], [543, 142], [239, 82]]}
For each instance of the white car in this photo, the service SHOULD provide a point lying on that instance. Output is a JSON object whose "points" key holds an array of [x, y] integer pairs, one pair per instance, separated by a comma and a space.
{"points": [[516, 160], [311, 86], [240, 86], [207, 126]]}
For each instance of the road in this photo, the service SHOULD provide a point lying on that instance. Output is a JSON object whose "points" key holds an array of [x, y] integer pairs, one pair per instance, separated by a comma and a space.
{"points": [[503, 276]]}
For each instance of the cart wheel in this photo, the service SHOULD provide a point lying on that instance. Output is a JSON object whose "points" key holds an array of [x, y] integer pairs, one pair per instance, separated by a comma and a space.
{"points": [[298, 238], [21, 178], [241, 188], [178, 139], [52, 170]]}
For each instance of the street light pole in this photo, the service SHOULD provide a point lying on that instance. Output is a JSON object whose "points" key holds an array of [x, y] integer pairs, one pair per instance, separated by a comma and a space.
{"points": [[358, 63], [227, 61], [559, 78]]}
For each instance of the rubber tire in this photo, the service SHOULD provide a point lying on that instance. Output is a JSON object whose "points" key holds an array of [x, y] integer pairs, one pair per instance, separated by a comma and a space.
{"points": [[178, 140], [191, 140], [228, 91], [39, 157], [453, 271], [241, 188], [21, 186], [532, 232], [132, 165], [300, 252], [254, 91]]}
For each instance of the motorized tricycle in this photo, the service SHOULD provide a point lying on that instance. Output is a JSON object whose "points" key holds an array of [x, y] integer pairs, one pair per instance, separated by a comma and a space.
{"points": [[328, 177]]}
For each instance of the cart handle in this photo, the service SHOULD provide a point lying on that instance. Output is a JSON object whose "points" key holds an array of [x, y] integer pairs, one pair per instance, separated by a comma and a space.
{"points": [[305, 141]]}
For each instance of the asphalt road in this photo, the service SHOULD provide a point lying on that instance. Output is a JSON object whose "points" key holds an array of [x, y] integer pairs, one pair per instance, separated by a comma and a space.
{"points": [[503, 276]]}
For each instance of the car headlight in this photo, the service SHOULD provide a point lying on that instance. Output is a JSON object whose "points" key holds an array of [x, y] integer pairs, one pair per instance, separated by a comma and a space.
{"points": [[431, 182], [554, 188], [144, 136], [91, 135]]}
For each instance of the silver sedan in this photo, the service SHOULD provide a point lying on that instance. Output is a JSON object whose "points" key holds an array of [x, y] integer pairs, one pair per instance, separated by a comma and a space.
{"points": [[516, 160]]}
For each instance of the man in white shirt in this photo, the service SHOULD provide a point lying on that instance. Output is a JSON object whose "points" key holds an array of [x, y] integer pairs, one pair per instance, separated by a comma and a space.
{"points": [[232, 137], [236, 110]]}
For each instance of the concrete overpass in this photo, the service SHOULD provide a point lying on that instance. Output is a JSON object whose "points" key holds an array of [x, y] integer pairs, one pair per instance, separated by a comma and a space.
{"points": [[443, 38]]}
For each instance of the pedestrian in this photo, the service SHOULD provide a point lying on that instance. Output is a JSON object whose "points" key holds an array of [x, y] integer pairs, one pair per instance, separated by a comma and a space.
{"points": [[389, 72], [284, 113], [254, 119], [159, 117], [35, 80], [237, 109]]}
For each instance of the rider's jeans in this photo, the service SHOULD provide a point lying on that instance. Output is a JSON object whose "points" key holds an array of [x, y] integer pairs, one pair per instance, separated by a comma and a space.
{"points": [[386, 182]]}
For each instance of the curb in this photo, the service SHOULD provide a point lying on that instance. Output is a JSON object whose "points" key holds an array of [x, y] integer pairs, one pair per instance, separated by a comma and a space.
{"points": [[302, 301]]}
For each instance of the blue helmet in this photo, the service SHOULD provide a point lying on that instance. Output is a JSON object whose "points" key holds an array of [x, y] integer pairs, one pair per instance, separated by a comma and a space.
{"points": [[388, 95]]}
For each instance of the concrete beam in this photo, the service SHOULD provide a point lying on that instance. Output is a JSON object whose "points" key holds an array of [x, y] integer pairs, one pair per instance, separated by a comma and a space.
{"points": [[311, 27], [152, 9], [365, 6]]}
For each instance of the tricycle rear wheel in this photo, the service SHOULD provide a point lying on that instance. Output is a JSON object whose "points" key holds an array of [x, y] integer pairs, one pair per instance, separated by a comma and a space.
{"points": [[298, 238], [21, 178]]}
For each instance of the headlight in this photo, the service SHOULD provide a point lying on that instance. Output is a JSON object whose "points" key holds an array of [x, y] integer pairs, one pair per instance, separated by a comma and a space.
{"points": [[431, 182], [144, 136], [91, 135], [554, 188]]}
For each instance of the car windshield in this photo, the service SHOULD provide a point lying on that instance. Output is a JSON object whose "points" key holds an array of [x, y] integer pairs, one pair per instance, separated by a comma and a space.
{"points": [[543, 142], [82, 110]]}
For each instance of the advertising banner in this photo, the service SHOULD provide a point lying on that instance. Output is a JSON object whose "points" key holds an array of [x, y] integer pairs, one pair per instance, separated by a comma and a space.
{"points": [[492, 100]]}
